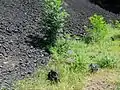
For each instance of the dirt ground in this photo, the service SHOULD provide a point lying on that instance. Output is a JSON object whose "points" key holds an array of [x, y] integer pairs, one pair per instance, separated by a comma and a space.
{"points": [[102, 80], [20, 52]]}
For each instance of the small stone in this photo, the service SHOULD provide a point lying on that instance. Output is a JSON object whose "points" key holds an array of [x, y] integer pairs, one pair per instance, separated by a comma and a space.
{"points": [[53, 76], [29, 72], [1, 66], [25, 13], [93, 67], [29, 56], [35, 61], [70, 52], [15, 31], [1, 56], [42, 55], [66, 4], [70, 60], [5, 62]]}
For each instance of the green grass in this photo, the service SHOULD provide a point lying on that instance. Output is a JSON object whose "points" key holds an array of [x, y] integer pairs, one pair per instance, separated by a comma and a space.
{"points": [[118, 88], [71, 58]]}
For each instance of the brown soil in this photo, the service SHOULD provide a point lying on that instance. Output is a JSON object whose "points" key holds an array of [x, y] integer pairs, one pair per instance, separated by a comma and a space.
{"points": [[103, 80]]}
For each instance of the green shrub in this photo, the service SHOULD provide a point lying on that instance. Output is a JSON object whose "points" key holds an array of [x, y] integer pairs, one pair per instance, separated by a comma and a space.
{"points": [[61, 46], [118, 86], [78, 65], [117, 24], [107, 62], [53, 19], [98, 30], [65, 51]]}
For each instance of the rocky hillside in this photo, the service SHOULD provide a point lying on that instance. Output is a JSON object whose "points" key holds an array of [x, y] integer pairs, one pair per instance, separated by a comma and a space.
{"points": [[20, 34]]}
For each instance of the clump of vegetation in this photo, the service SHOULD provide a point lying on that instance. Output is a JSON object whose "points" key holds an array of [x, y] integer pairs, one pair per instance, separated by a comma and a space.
{"points": [[72, 57], [117, 24], [118, 88], [53, 19], [107, 62], [98, 29]]}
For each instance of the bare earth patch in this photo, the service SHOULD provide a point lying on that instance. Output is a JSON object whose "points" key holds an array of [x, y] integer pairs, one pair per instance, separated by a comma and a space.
{"points": [[103, 80]]}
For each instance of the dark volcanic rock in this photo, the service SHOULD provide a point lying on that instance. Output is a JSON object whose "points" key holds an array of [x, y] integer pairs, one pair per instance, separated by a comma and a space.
{"points": [[81, 10], [110, 5], [53, 76], [18, 20], [21, 41]]}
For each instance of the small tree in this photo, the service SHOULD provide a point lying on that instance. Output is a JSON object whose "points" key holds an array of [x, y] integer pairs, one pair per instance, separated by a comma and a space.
{"points": [[53, 19], [99, 29]]}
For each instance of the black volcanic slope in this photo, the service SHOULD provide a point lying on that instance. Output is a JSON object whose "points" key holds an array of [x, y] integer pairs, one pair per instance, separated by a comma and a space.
{"points": [[20, 34], [20, 40], [80, 10], [110, 5]]}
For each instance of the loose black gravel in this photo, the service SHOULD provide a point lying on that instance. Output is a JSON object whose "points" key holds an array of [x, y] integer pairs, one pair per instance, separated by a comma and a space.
{"points": [[20, 19], [21, 50], [110, 5], [80, 11]]}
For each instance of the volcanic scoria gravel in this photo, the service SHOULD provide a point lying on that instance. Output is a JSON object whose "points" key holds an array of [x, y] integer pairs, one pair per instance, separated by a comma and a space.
{"points": [[20, 34], [19, 30], [80, 11]]}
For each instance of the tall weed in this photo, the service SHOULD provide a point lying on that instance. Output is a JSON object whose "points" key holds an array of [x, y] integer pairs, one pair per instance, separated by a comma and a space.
{"points": [[98, 28]]}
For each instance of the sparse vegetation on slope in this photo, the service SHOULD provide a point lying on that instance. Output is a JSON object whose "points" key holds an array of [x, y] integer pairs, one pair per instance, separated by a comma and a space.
{"points": [[71, 57], [23, 45]]}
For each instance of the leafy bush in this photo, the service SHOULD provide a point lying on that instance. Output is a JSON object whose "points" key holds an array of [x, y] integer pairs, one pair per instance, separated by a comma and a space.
{"points": [[118, 86], [117, 24], [53, 19], [79, 65], [107, 62], [65, 51], [61, 46], [98, 30]]}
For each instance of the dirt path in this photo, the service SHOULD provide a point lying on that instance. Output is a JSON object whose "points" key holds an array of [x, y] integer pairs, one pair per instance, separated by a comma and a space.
{"points": [[103, 80]]}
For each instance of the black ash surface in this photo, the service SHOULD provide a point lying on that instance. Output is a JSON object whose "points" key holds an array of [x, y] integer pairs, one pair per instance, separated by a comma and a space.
{"points": [[20, 19], [20, 34], [81, 10]]}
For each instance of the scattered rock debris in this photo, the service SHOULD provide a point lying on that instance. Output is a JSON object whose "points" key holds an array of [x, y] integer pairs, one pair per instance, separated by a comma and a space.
{"points": [[53, 76], [94, 67]]}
